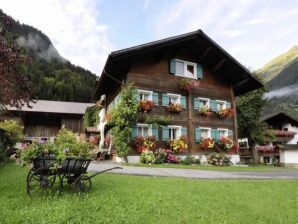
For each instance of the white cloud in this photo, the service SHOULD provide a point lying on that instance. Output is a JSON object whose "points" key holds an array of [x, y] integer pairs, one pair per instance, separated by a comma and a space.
{"points": [[72, 26]]}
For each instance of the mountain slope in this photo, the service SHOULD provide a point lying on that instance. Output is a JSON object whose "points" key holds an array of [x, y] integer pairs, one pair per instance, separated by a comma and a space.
{"points": [[276, 65], [53, 77]]}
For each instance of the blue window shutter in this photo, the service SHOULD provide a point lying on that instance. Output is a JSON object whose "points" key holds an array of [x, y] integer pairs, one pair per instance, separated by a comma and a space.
{"points": [[230, 133], [228, 105], [165, 133], [196, 103], [155, 132], [173, 66], [184, 131], [165, 99], [134, 134], [199, 71], [214, 134], [183, 101], [197, 135], [155, 98], [213, 105]]}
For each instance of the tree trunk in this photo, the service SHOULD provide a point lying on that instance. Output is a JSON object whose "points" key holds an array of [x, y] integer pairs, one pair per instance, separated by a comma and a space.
{"points": [[254, 150]]}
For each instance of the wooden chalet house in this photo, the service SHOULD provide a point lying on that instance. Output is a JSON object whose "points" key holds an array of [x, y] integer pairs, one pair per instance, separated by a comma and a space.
{"points": [[157, 68]]}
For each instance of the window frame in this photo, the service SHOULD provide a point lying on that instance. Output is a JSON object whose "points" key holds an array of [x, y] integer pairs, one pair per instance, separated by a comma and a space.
{"points": [[185, 63], [225, 130], [142, 125], [223, 102], [175, 95], [178, 131], [142, 91], [204, 99], [208, 129]]}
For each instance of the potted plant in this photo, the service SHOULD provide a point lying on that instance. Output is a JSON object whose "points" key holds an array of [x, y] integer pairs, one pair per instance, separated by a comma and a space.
{"points": [[142, 144], [174, 108], [178, 145], [226, 143], [207, 143], [205, 111], [186, 84], [146, 105], [223, 113]]}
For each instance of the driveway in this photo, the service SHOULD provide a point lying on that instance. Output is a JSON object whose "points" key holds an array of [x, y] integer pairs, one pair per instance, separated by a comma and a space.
{"points": [[191, 173]]}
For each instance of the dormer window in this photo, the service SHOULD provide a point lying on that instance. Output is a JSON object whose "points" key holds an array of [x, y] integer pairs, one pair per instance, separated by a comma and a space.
{"points": [[185, 69]]}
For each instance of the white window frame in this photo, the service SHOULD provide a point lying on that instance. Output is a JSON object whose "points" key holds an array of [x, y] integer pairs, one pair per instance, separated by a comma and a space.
{"points": [[205, 99], [185, 63], [140, 125], [175, 95], [142, 91], [178, 130], [223, 102], [209, 131], [225, 130]]}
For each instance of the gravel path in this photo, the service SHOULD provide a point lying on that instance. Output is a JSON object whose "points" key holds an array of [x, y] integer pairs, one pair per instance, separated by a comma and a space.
{"points": [[191, 173]]}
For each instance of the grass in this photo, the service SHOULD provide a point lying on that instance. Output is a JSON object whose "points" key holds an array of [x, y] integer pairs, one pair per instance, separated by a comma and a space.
{"points": [[136, 199], [256, 168]]}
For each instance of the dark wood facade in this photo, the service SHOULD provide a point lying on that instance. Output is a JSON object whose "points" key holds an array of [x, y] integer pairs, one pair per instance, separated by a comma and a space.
{"points": [[147, 67]]}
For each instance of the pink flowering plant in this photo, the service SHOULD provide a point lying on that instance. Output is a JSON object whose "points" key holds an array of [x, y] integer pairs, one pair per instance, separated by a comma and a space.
{"points": [[188, 84]]}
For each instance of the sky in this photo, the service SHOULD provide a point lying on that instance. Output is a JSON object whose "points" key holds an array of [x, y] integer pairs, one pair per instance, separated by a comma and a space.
{"points": [[86, 31]]}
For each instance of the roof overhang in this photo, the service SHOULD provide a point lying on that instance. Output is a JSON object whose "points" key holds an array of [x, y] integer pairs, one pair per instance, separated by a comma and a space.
{"points": [[210, 55]]}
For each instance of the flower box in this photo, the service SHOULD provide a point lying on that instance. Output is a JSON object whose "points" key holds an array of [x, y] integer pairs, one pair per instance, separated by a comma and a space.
{"points": [[174, 108], [146, 105]]}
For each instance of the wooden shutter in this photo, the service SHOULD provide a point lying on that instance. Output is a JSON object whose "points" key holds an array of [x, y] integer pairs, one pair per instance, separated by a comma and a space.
{"points": [[173, 66], [155, 98], [165, 133], [155, 132], [196, 103], [183, 101], [165, 99], [134, 133], [230, 133], [199, 71], [184, 131], [213, 134], [213, 105], [197, 135]]}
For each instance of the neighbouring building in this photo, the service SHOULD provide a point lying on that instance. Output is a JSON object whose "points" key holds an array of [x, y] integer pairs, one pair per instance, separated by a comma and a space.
{"points": [[283, 148], [45, 118], [156, 69]]}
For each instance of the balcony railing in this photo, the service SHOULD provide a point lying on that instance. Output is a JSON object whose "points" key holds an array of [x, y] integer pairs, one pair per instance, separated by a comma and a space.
{"points": [[267, 149]]}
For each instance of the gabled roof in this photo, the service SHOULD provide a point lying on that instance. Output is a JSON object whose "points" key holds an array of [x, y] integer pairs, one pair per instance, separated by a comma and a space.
{"points": [[280, 117], [240, 77], [60, 107]]}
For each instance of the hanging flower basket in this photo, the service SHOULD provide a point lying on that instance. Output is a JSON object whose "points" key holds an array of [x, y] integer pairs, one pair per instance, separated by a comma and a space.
{"points": [[174, 108], [224, 113], [207, 143], [146, 105], [188, 84]]}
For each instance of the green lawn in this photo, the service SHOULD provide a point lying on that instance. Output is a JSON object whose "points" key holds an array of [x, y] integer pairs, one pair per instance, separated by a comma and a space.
{"points": [[136, 199], [258, 168]]}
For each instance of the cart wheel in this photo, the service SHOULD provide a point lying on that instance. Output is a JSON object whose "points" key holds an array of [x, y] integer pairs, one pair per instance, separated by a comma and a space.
{"points": [[66, 181], [83, 183], [40, 180]]}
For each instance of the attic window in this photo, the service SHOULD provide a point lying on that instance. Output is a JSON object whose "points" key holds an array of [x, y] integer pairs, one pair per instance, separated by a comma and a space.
{"points": [[184, 68]]}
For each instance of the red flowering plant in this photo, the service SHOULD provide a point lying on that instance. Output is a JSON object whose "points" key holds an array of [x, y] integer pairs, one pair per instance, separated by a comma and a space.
{"points": [[226, 143], [286, 134], [142, 144], [207, 143], [174, 108], [178, 145], [224, 113], [146, 105], [171, 157], [188, 84], [205, 111]]}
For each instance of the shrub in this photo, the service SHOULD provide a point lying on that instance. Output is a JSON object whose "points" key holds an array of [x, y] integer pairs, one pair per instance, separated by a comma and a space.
{"points": [[147, 157], [218, 159], [171, 157], [13, 130], [188, 160], [160, 156]]}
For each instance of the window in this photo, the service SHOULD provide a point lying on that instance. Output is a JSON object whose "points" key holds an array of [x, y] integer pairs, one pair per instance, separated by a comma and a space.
{"points": [[204, 102], [174, 132], [186, 69], [145, 95], [143, 130], [205, 132], [173, 98], [221, 105], [223, 132]]}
